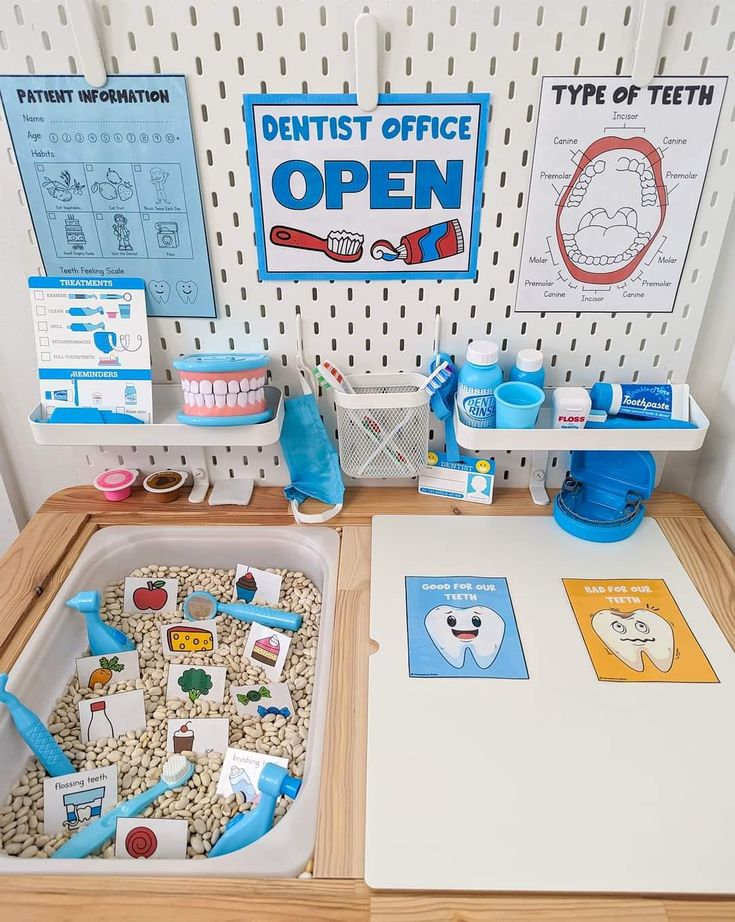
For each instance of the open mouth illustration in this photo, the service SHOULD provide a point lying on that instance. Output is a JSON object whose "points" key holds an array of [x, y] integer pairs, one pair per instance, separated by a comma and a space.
{"points": [[465, 635], [612, 210]]}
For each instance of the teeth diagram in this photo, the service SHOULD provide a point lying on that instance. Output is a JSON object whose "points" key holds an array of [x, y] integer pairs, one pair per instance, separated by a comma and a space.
{"points": [[612, 211], [457, 632], [632, 635]]}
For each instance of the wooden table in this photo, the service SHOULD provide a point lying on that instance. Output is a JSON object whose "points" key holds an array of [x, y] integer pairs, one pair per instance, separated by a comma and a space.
{"points": [[39, 561]]}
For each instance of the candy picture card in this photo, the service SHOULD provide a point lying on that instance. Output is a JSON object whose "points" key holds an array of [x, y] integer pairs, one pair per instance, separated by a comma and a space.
{"points": [[259, 700], [186, 638], [254, 585], [136, 837], [143, 595], [240, 773], [108, 670], [196, 683], [268, 649], [71, 801], [198, 734], [113, 715]]}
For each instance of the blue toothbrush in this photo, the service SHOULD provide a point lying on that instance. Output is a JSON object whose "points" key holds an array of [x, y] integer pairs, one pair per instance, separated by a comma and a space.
{"points": [[34, 732], [103, 638], [177, 771]]}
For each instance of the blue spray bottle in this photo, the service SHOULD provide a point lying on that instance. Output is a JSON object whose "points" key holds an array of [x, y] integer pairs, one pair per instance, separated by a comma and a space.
{"points": [[103, 638]]}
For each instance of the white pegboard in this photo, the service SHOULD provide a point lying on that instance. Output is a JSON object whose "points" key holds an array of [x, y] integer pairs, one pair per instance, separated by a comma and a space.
{"points": [[226, 49]]}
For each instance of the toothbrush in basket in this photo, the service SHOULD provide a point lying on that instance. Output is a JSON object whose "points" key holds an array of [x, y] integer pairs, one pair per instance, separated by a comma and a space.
{"points": [[34, 732]]}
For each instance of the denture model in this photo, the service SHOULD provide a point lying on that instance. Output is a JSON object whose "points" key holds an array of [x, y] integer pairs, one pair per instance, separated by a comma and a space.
{"points": [[225, 389]]}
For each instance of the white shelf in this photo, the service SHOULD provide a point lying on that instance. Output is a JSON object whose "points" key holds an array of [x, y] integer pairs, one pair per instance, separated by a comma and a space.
{"points": [[165, 428], [543, 438]]}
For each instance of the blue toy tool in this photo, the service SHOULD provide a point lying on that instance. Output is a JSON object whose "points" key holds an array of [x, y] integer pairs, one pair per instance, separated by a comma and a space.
{"points": [[177, 771], [85, 327], [85, 311], [32, 729], [103, 638], [246, 828], [206, 606]]}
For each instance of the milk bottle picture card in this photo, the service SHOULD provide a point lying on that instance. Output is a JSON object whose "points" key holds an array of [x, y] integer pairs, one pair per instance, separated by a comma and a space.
{"points": [[102, 718], [71, 801], [268, 649], [254, 585]]}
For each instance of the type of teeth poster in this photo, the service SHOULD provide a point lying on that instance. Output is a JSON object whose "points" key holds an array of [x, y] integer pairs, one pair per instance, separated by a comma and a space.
{"points": [[92, 345], [462, 627], [635, 632], [617, 177], [111, 181], [340, 193]]}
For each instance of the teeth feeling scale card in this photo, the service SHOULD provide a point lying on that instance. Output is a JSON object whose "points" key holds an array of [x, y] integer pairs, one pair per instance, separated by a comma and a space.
{"points": [[570, 702]]}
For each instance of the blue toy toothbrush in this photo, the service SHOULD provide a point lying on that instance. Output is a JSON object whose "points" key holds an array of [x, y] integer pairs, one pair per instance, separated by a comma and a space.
{"points": [[246, 828], [208, 605], [34, 732], [177, 771], [103, 638]]}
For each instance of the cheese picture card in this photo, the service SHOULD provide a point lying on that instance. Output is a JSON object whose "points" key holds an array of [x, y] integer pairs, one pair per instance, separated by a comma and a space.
{"points": [[196, 683], [635, 632], [260, 700], [108, 670], [198, 734], [268, 649], [143, 838], [71, 801], [254, 585], [142, 595], [102, 718], [240, 773], [183, 637]]}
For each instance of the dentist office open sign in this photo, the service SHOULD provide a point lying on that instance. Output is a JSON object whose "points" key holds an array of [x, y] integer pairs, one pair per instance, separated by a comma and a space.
{"points": [[343, 193]]}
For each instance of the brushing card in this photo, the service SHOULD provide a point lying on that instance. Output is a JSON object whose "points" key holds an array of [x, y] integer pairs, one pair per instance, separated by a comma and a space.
{"points": [[462, 627], [240, 772], [196, 683], [260, 700], [198, 734], [71, 801], [635, 632], [108, 670], [268, 649], [184, 637], [144, 838], [143, 595], [254, 585], [103, 718]]}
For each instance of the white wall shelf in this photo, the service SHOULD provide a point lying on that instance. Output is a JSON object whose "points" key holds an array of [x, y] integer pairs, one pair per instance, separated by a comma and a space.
{"points": [[165, 428]]}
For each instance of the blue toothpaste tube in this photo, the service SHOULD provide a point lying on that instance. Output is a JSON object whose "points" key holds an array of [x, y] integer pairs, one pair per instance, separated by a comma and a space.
{"points": [[642, 401]]}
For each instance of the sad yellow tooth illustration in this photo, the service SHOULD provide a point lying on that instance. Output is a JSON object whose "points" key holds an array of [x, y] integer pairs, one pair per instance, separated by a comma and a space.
{"points": [[633, 635]]}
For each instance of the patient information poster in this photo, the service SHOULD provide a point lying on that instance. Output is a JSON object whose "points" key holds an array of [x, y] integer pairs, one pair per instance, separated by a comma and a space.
{"points": [[618, 173], [111, 181]]}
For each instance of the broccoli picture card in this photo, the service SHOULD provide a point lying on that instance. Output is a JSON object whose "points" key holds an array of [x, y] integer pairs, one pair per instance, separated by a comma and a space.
{"points": [[196, 683]]}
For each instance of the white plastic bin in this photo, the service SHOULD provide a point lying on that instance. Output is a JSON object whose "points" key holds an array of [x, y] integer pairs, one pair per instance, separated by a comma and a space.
{"points": [[46, 664], [384, 426]]}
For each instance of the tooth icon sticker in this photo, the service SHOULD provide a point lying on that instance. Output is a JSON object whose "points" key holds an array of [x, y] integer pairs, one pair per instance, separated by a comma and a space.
{"points": [[635, 632], [462, 627]]}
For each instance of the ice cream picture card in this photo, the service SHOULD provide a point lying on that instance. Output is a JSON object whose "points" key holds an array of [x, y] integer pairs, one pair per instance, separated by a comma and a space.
{"points": [[635, 632], [254, 585], [268, 649]]}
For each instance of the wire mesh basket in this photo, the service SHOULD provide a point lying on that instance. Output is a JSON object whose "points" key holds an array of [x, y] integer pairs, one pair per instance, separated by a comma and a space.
{"points": [[383, 426]]}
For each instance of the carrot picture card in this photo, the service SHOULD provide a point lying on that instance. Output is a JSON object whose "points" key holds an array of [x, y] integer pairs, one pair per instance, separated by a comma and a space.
{"points": [[635, 632], [108, 670]]}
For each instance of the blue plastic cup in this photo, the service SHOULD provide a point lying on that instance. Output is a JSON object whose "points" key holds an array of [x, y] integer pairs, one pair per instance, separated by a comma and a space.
{"points": [[517, 404]]}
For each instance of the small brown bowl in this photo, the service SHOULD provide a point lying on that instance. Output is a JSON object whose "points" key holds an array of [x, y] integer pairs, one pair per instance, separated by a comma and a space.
{"points": [[164, 486]]}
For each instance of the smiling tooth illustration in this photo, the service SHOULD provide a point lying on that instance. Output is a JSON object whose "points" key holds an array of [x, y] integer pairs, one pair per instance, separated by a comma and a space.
{"points": [[454, 631], [187, 291], [628, 635], [159, 290]]}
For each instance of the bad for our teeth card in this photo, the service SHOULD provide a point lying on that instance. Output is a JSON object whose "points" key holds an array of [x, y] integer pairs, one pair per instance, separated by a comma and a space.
{"points": [[108, 670], [199, 734], [143, 838], [144, 595], [462, 627], [267, 648], [635, 632], [185, 637], [254, 585], [259, 700], [240, 773], [71, 801], [196, 683], [113, 715]]}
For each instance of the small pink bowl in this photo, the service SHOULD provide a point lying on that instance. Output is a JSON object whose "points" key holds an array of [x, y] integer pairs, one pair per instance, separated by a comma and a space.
{"points": [[116, 485]]}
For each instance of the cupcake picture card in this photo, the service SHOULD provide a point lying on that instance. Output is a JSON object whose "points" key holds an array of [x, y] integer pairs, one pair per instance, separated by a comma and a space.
{"points": [[197, 734], [267, 648], [254, 585]]}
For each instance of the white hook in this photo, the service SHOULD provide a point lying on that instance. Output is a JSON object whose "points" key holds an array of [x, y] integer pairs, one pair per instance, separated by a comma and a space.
{"points": [[647, 41], [366, 61], [88, 43]]}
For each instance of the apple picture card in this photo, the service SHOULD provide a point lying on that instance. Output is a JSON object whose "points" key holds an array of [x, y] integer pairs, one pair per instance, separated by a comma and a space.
{"points": [[186, 637], [103, 718], [198, 734], [149, 595], [108, 670], [144, 838], [267, 648], [254, 585], [240, 772], [196, 683], [71, 801], [260, 700]]}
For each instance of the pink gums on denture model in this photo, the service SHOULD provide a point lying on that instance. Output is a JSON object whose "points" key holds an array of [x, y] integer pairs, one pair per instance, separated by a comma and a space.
{"points": [[223, 393]]}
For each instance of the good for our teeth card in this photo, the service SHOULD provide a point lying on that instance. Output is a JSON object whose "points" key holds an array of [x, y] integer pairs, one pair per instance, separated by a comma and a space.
{"points": [[252, 584], [462, 627], [267, 648]]}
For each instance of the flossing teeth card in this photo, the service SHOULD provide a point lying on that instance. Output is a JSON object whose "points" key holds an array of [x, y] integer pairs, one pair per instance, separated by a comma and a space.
{"points": [[617, 177]]}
